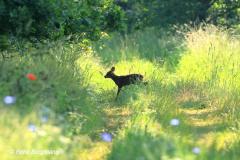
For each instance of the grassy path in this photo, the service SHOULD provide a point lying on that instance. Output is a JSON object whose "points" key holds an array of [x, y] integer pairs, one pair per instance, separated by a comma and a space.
{"points": [[201, 121], [198, 92], [209, 128], [199, 89]]}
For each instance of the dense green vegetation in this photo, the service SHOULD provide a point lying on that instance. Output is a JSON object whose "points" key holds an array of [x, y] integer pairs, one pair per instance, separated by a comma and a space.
{"points": [[36, 19], [54, 97], [55, 18]]}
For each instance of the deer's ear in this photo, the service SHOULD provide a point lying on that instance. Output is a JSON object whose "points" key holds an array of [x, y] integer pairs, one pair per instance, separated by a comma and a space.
{"points": [[113, 69]]}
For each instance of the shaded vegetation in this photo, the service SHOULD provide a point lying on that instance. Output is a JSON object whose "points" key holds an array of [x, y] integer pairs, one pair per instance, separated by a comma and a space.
{"points": [[54, 97], [79, 102]]}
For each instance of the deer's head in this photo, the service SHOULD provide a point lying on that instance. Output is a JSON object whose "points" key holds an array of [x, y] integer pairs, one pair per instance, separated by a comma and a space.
{"points": [[110, 73]]}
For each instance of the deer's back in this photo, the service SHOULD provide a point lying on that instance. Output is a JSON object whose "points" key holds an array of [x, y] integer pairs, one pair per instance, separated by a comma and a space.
{"points": [[129, 79]]}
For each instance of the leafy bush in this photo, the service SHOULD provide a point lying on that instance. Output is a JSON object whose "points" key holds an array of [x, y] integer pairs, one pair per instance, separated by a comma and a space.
{"points": [[55, 18], [163, 13], [225, 12]]}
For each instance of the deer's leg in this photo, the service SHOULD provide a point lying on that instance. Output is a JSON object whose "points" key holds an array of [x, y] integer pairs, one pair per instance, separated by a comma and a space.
{"points": [[119, 89]]}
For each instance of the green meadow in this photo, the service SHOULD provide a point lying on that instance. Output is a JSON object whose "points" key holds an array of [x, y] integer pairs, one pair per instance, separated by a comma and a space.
{"points": [[189, 110]]}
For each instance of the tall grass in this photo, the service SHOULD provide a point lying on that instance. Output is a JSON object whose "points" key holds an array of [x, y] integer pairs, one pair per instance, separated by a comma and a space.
{"points": [[158, 45], [57, 89], [212, 60], [212, 56], [206, 79], [192, 79]]}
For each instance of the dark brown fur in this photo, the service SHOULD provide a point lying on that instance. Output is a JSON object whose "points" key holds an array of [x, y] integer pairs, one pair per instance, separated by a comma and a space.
{"points": [[125, 80]]}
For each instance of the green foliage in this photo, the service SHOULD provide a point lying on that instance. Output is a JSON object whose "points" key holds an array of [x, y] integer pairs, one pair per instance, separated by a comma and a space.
{"points": [[144, 146], [225, 12], [55, 18], [202, 92], [161, 46], [212, 60], [206, 81], [4, 44], [163, 13]]}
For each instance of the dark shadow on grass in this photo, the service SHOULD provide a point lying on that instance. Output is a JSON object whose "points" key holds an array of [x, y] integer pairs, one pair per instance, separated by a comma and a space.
{"points": [[193, 104], [161, 45], [194, 116], [127, 95], [117, 111]]}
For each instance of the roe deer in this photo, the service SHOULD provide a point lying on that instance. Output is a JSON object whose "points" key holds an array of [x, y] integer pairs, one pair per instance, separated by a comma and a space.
{"points": [[121, 81]]}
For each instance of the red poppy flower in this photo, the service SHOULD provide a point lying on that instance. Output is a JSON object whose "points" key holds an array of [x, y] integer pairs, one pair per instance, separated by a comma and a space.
{"points": [[31, 76]]}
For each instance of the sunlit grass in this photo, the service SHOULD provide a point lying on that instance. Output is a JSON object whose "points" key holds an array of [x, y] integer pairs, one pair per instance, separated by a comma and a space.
{"points": [[16, 136], [212, 56], [188, 110]]}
